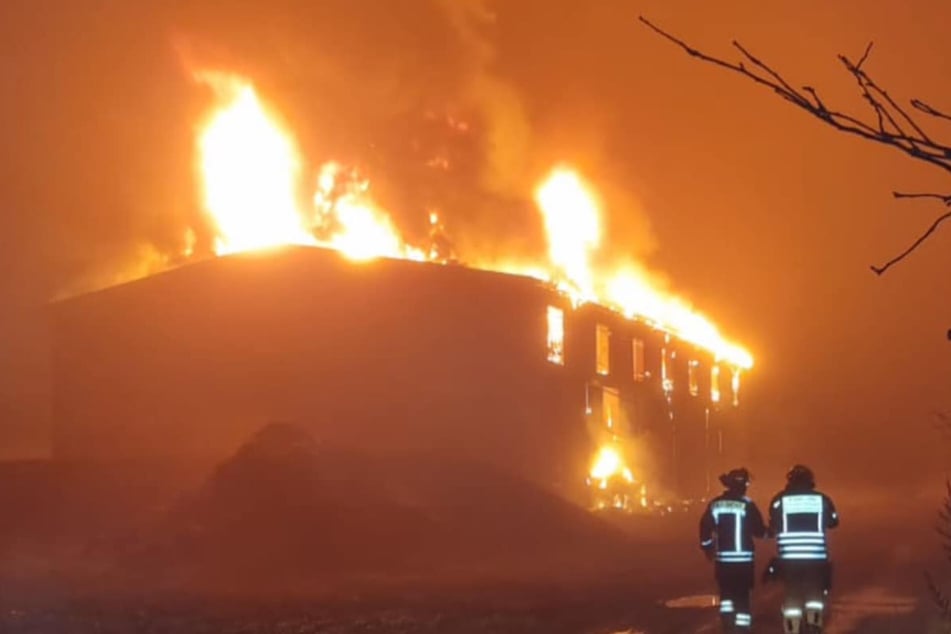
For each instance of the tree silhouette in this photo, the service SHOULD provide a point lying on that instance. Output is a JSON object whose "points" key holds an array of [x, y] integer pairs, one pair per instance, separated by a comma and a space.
{"points": [[889, 122]]}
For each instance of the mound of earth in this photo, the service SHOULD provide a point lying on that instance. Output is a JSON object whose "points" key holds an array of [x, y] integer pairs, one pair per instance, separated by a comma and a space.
{"points": [[285, 508]]}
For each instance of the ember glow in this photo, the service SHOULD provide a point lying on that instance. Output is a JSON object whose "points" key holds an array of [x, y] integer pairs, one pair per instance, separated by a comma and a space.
{"points": [[607, 464], [253, 195]]}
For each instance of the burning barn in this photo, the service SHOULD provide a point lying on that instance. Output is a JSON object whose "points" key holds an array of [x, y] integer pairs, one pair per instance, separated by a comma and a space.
{"points": [[391, 356], [388, 347]]}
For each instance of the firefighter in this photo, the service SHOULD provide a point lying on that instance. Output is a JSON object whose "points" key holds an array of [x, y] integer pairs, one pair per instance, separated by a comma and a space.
{"points": [[727, 529], [799, 517]]}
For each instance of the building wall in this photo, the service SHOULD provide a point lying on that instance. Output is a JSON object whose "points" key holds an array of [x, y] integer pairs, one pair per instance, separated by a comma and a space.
{"points": [[674, 434], [385, 356]]}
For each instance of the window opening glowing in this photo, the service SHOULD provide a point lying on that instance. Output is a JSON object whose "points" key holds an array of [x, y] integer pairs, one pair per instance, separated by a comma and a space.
{"points": [[736, 387], [638, 350], [715, 384], [693, 381], [665, 379], [556, 335], [603, 350], [610, 407]]}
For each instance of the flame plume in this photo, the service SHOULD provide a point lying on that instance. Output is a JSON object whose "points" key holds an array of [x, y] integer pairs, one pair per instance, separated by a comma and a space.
{"points": [[572, 222], [249, 168], [251, 171], [251, 174]]}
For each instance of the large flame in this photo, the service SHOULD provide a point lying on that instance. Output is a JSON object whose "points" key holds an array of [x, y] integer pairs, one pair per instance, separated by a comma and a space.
{"points": [[631, 292], [609, 471], [352, 223], [572, 222], [608, 463], [249, 168], [572, 218], [252, 173]]}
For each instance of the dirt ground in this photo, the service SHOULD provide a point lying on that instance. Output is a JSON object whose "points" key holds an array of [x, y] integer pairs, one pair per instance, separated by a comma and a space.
{"points": [[263, 544]]}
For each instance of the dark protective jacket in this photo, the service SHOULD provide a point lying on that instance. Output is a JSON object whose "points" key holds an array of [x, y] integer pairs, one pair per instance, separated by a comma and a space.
{"points": [[728, 527], [799, 519]]}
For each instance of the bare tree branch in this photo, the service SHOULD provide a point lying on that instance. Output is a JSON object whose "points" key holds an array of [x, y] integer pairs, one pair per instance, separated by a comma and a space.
{"points": [[789, 90], [713, 60], [943, 528], [866, 81], [939, 598], [867, 86], [916, 145], [894, 125], [945, 198]]}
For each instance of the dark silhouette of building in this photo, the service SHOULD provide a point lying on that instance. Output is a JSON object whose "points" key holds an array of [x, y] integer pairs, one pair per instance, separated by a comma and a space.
{"points": [[383, 356]]}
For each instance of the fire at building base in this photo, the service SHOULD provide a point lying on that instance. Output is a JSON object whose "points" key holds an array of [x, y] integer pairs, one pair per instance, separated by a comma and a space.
{"points": [[393, 357]]}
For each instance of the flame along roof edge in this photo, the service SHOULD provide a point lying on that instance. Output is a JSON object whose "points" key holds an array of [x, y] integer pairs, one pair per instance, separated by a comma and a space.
{"points": [[327, 252]]}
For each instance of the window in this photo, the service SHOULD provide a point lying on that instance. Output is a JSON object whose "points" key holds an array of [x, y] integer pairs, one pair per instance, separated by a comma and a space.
{"points": [[610, 408], [602, 363], [736, 387], [594, 403], [556, 335], [693, 381], [665, 363], [638, 349], [715, 384]]}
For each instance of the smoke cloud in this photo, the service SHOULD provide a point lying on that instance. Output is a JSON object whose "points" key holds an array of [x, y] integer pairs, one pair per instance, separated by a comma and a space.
{"points": [[423, 98]]}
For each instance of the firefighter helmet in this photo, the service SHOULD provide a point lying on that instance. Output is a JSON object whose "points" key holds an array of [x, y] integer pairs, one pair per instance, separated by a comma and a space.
{"points": [[736, 479], [801, 476]]}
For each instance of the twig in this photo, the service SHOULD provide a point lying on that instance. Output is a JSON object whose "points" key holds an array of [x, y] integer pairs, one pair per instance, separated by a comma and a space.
{"points": [[815, 97], [787, 88], [707, 58], [878, 270], [892, 118], [921, 105], [917, 145], [868, 49], [866, 86], [858, 72], [940, 599], [938, 596], [945, 198]]}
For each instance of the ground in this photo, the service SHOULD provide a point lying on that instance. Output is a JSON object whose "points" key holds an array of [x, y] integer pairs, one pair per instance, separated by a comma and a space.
{"points": [[880, 589], [659, 584]]}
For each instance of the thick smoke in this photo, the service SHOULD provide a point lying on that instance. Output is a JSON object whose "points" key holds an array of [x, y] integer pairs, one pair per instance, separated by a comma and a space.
{"points": [[422, 97], [408, 95], [430, 98]]}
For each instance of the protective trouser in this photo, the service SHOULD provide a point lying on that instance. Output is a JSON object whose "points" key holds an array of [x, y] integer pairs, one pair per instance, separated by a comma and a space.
{"points": [[735, 581], [806, 585]]}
